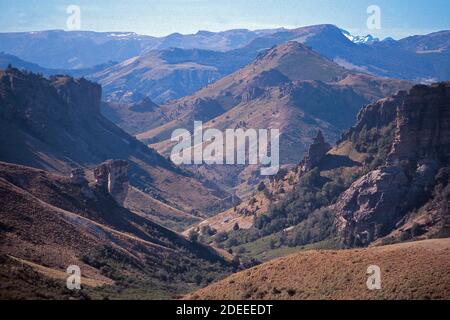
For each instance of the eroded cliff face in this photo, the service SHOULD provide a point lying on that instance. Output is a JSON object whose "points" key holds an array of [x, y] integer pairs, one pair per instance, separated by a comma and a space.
{"points": [[38, 101], [378, 202], [80, 95], [423, 125]]}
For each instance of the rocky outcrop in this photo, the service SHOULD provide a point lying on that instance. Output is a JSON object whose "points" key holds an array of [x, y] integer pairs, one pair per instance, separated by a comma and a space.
{"points": [[112, 177], [38, 103], [81, 95], [317, 150], [376, 203], [118, 180], [370, 204], [423, 124]]}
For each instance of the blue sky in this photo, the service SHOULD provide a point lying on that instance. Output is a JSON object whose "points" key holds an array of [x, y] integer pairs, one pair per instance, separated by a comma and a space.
{"points": [[399, 18]]}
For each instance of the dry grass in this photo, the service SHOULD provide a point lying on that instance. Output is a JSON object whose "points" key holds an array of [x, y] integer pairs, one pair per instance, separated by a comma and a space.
{"points": [[158, 211], [62, 275], [415, 270]]}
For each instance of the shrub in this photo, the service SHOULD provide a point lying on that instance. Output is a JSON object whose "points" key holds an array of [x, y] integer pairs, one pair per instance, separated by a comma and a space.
{"points": [[261, 186], [207, 230], [416, 230], [193, 236], [221, 237]]}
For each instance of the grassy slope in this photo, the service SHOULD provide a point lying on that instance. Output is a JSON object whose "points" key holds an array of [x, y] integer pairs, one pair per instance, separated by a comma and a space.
{"points": [[415, 270]]}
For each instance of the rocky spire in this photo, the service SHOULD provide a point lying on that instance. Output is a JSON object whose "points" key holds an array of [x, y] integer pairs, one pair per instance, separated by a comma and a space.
{"points": [[112, 177], [316, 151]]}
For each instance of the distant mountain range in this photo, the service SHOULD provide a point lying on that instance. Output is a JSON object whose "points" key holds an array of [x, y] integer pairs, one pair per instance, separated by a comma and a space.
{"points": [[151, 67], [11, 60], [58, 49], [180, 72]]}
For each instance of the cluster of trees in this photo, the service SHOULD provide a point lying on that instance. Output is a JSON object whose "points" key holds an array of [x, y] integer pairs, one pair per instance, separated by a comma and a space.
{"points": [[302, 208], [312, 192], [376, 141]]}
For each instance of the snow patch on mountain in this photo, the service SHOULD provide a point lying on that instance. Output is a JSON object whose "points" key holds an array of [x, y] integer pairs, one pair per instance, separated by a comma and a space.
{"points": [[359, 39]]}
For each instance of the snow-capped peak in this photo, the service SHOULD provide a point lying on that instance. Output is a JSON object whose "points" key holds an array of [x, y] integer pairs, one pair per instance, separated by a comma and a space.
{"points": [[359, 39]]}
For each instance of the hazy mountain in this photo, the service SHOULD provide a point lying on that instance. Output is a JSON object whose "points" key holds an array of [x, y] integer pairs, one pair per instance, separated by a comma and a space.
{"points": [[59, 49], [160, 72], [9, 59], [276, 68], [207, 40], [161, 75], [404, 59], [13, 61], [169, 74]]}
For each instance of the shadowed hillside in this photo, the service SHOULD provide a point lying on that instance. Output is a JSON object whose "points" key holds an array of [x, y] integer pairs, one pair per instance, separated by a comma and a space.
{"points": [[55, 124], [50, 222]]}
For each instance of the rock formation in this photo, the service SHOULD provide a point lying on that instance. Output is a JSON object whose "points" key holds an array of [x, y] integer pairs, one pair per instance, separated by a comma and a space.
{"points": [[423, 124], [371, 203], [375, 203], [118, 180], [112, 177], [81, 95], [317, 150]]}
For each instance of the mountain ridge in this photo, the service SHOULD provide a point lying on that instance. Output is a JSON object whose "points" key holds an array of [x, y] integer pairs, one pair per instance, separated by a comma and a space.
{"points": [[56, 124], [289, 87], [421, 58]]}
